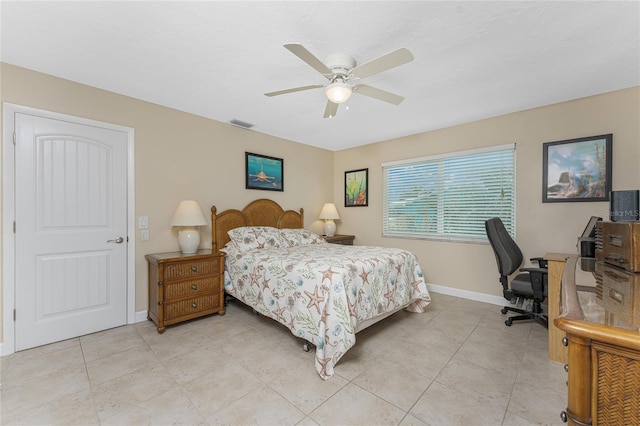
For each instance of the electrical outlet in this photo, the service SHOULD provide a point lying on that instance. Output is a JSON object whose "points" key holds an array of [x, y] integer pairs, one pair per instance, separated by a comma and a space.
{"points": [[143, 222], [144, 235]]}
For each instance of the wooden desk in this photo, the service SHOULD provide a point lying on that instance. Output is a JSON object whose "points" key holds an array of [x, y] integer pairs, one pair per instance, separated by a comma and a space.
{"points": [[556, 263], [601, 315]]}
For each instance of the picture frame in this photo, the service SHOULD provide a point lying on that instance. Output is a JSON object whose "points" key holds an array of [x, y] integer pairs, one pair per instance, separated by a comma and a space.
{"points": [[577, 169], [264, 172], [356, 188]]}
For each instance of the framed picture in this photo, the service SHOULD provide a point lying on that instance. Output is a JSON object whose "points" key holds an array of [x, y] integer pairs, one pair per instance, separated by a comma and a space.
{"points": [[577, 169], [356, 191], [263, 172]]}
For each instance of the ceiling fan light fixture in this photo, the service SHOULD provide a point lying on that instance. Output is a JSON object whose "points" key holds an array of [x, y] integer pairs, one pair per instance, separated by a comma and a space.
{"points": [[338, 92]]}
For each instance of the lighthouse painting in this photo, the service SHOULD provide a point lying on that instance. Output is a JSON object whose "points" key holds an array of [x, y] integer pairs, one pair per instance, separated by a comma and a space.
{"points": [[577, 169]]}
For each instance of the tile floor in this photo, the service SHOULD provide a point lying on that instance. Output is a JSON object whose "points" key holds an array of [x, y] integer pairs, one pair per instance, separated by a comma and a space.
{"points": [[456, 364]]}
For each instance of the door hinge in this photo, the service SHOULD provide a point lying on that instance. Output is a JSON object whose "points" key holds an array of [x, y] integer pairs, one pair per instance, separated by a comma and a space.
{"points": [[14, 226], [14, 315], [14, 138]]}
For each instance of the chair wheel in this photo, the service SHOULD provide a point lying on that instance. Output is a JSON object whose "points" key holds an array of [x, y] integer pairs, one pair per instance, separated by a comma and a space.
{"points": [[504, 311], [508, 322]]}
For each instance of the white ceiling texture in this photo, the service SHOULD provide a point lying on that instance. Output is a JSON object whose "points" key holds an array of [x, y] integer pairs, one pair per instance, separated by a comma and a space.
{"points": [[473, 59]]}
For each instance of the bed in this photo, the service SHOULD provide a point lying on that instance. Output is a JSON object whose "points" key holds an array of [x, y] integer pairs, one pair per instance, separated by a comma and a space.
{"points": [[323, 293]]}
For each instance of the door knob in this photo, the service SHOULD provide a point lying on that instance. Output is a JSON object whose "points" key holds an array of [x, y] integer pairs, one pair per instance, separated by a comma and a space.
{"points": [[118, 240]]}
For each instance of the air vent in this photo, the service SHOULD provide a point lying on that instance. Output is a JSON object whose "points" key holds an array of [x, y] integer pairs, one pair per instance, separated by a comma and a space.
{"points": [[240, 123]]}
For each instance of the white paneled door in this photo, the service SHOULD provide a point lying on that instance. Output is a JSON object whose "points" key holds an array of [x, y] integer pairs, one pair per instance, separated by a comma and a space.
{"points": [[71, 229]]}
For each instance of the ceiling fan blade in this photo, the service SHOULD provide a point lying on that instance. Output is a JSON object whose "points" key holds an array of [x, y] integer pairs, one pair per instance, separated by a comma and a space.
{"points": [[383, 63], [330, 110], [301, 52], [294, 89], [380, 94]]}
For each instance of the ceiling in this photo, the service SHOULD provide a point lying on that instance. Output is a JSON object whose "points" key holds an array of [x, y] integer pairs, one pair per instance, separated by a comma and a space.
{"points": [[473, 60]]}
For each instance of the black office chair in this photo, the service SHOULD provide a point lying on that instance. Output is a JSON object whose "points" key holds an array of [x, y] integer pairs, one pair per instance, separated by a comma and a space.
{"points": [[530, 284]]}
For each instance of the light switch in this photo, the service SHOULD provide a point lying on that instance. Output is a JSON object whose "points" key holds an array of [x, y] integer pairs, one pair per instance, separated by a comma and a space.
{"points": [[144, 235], [143, 222]]}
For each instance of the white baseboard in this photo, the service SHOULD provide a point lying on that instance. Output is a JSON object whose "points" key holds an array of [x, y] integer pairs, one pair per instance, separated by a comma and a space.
{"points": [[466, 294], [140, 316]]}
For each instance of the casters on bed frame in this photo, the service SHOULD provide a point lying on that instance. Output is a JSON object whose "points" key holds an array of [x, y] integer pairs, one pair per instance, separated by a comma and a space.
{"points": [[306, 346]]}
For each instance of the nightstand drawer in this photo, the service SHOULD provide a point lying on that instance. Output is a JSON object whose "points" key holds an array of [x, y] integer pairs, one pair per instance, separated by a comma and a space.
{"points": [[194, 287], [191, 306], [193, 268]]}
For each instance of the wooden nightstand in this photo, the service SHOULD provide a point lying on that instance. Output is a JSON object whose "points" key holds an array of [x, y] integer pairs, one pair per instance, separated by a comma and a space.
{"points": [[183, 287], [345, 240]]}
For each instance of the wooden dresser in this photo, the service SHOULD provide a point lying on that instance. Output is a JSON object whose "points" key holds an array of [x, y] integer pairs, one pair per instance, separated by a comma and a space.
{"points": [[345, 240], [601, 317], [183, 287]]}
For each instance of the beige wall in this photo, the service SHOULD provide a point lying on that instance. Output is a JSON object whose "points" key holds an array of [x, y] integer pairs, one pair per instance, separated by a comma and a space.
{"points": [[180, 156], [548, 227]]}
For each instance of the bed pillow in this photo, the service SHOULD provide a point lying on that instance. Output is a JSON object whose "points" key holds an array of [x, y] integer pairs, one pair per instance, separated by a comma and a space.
{"points": [[300, 237], [256, 237]]}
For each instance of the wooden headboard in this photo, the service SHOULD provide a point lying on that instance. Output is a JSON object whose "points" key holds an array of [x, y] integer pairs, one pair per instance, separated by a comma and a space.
{"points": [[261, 212]]}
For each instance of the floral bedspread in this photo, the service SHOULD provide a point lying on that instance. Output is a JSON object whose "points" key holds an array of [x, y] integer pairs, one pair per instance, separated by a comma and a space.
{"points": [[321, 292]]}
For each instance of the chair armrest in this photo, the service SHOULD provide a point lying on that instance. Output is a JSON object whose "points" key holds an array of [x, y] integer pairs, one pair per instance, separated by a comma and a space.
{"points": [[542, 262]]}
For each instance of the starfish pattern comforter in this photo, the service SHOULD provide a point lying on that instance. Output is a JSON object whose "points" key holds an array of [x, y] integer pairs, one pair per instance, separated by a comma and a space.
{"points": [[323, 291]]}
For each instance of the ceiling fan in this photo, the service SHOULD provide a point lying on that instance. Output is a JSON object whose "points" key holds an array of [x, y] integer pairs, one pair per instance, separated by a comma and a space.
{"points": [[340, 69]]}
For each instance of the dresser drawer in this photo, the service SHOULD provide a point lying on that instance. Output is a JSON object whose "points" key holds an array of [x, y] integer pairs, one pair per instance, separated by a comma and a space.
{"points": [[192, 306], [193, 268], [193, 287]]}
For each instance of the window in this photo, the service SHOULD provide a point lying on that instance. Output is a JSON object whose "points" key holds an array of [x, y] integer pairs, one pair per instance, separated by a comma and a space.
{"points": [[448, 197]]}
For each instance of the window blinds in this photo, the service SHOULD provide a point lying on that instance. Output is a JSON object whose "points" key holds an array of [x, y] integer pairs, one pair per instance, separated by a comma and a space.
{"points": [[449, 196]]}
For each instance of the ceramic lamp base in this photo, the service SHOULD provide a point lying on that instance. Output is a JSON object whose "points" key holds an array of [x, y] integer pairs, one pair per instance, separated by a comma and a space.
{"points": [[189, 240], [329, 228]]}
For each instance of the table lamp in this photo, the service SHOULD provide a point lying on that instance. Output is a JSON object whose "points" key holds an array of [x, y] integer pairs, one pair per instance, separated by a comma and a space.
{"points": [[189, 217], [328, 213]]}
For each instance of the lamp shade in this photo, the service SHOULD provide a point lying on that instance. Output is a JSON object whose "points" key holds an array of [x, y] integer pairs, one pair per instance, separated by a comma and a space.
{"points": [[329, 211], [189, 213], [338, 92]]}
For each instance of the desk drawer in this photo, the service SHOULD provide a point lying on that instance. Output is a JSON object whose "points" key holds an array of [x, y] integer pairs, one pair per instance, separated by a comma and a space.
{"points": [[620, 293], [616, 385], [618, 244]]}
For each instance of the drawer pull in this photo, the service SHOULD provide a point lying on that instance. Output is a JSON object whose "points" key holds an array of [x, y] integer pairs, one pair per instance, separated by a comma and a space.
{"points": [[194, 269], [615, 257], [194, 287], [615, 295], [563, 417], [194, 305], [565, 341]]}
